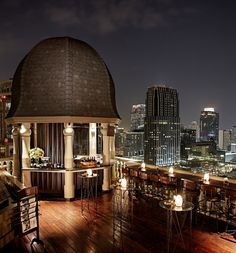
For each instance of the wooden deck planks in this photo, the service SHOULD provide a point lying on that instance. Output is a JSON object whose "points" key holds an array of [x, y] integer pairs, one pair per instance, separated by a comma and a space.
{"points": [[64, 229]]}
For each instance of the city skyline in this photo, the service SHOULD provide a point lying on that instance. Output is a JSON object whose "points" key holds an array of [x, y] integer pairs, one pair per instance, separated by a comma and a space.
{"points": [[187, 45]]}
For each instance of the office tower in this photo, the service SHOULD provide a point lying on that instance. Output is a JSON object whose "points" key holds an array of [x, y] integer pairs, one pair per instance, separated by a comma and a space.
{"points": [[134, 145], [224, 139], [162, 126], [120, 141], [5, 130], [195, 126], [137, 117], [188, 138], [209, 125], [233, 134]]}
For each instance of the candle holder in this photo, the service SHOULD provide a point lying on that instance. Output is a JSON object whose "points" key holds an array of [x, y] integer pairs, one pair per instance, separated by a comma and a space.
{"points": [[178, 200], [143, 167], [123, 183], [226, 181], [206, 178], [171, 171], [89, 172]]}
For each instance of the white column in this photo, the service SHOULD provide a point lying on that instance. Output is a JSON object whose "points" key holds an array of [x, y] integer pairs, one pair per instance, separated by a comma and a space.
{"points": [[69, 188], [92, 139], [106, 158], [25, 140], [16, 157], [112, 156], [35, 135]]}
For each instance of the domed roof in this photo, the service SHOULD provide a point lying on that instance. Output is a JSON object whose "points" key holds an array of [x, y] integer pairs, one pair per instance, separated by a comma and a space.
{"points": [[63, 80]]}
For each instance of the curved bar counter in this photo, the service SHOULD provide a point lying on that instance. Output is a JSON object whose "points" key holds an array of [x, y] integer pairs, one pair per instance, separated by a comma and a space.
{"points": [[51, 182]]}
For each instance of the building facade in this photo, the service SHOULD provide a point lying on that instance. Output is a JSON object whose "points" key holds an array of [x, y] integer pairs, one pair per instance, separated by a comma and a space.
{"points": [[137, 117], [209, 125], [225, 139], [162, 126], [188, 139], [233, 134], [120, 136], [134, 145], [5, 130]]}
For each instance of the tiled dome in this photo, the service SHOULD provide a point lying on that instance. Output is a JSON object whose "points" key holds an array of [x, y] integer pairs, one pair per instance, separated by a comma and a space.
{"points": [[63, 79]]}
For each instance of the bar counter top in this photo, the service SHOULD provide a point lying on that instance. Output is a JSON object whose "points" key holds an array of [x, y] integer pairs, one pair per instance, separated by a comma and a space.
{"points": [[74, 170]]}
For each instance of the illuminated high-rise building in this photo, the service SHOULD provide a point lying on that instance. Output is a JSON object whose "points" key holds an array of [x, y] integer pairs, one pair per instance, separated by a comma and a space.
{"points": [[134, 145], [188, 139], [162, 126], [233, 134], [5, 130], [137, 117], [209, 125], [120, 136], [224, 139]]}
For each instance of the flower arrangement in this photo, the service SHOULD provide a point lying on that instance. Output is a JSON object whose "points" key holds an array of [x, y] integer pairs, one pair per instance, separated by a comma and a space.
{"points": [[36, 153]]}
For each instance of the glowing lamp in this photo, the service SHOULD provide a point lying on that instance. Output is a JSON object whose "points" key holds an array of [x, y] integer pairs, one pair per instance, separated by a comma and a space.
{"points": [[69, 130], [143, 167], [123, 183], [226, 181], [171, 170], [23, 129], [206, 178], [89, 172], [178, 200]]}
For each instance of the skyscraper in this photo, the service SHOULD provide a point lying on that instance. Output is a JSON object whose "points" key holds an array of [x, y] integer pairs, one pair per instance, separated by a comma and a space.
{"points": [[134, 145], [188, 138], [209, 125], [6, 147], [233, 134], [137, 117], [120, 136], [162, 126], [224, 139]]}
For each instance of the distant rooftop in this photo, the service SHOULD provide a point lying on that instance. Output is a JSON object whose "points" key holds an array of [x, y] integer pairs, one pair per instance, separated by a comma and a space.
{"points": [[209, 109]]}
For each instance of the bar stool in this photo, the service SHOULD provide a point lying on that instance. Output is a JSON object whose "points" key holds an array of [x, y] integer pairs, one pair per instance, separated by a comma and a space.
{"points": [[190, 191], [168, 186], [155, 181], [133, 173], [230, 210], [210, 203], [191, 194], [145, 184]]}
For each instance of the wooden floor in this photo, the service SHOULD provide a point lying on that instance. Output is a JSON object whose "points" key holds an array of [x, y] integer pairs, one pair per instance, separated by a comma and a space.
{"points": [[63, 228]]}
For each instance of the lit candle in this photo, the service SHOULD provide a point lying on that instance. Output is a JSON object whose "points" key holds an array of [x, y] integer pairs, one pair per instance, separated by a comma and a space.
{"points": [[123, 183], [226, 180], [171, 170], [143, 167], [206, 178], [89, 172], [178, 200]]}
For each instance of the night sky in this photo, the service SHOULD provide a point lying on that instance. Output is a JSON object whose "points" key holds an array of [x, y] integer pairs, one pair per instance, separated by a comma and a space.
{"points": [[189, 45]]}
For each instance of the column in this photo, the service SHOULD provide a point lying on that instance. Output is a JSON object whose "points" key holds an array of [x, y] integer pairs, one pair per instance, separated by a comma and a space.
{"points": [[112, 156], [25, 140], [35, 135], [16, 156], [69, 188], [106, 158], [92, 139]]}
